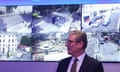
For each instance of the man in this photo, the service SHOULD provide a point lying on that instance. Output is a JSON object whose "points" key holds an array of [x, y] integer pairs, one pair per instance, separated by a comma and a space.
{"points": [[76, 44]]}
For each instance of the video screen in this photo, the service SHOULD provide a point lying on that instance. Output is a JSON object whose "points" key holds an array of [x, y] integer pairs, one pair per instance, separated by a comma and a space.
{"points": [[51, 25], [102, 23], [38, 32], [15, 33]]}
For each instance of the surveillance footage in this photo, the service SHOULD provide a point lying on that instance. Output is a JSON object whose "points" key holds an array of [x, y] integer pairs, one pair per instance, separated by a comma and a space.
{"points": [[102, 23], [38, 32]]}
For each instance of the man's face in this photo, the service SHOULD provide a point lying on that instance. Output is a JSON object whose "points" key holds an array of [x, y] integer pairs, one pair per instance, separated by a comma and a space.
{"points": [[74, 47]]}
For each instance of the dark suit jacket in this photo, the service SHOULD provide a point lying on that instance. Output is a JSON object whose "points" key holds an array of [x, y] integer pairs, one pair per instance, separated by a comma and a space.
{"points": [[89, 65]]}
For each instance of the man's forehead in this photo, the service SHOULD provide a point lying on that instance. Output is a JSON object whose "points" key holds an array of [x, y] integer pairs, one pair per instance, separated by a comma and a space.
{"points": [[72, 36]]}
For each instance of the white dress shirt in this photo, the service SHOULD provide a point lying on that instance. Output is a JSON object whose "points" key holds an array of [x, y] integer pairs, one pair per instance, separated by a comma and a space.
{"points": [[79, 62]]}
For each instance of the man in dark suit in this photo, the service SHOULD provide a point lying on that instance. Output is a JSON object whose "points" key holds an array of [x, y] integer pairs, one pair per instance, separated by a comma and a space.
{"points": [[76, 44]]}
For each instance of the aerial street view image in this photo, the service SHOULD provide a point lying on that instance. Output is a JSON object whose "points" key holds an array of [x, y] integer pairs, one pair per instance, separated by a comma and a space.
{"points": [[15, 33], [50, 27], [35, 33], [102, 23], [39, 32]]}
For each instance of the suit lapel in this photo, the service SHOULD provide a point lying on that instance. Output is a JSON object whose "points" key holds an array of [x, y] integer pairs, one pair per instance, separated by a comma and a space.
{"points": [[66, 64], [84, 65]]}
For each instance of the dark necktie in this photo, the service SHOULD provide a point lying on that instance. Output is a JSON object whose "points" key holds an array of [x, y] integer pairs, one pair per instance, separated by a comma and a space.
{"points": [[74, 65]]}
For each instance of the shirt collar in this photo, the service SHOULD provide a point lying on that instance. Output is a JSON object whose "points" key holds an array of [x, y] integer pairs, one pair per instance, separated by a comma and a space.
{"points": [[81, 57]]}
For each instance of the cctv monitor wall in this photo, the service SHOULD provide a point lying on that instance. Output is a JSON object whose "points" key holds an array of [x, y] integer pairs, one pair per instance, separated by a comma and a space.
{"points": [[38, 32]]}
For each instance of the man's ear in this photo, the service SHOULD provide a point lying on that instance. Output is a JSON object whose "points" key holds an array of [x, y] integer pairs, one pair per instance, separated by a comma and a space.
{"points": [[81, 43]]}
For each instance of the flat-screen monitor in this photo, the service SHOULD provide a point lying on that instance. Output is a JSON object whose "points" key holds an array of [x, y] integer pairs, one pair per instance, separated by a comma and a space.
{"points": [[102, 23], [38, 32], [15, 32]]}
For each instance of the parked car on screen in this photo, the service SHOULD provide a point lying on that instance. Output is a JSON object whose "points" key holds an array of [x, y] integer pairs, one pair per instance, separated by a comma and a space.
{"points": [[97, 21], [96, 24], [106, 21], [93, 20]]}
